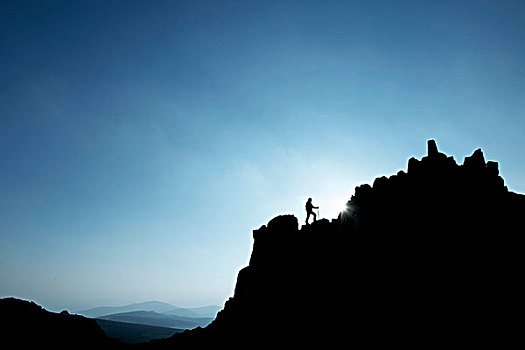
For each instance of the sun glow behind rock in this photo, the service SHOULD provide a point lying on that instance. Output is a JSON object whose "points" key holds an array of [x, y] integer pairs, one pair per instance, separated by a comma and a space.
{"points": [[331, 206]]}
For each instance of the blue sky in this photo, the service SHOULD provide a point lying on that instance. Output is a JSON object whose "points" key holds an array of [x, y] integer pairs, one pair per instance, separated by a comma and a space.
{"points": [[142, 141]]}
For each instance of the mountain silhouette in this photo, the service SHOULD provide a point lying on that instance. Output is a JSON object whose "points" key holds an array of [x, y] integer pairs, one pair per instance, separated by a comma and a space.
{"points": [[26, 325], [132, 333], [429, 256], [156, 306], [152, 318]]}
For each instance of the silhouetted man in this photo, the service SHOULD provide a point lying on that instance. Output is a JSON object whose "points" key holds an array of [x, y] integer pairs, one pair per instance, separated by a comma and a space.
{"points": [[309, 210]]}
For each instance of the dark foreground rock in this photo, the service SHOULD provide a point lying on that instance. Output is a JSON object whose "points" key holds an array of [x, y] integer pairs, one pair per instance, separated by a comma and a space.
{"points": [[430, 256], [26, 325]]}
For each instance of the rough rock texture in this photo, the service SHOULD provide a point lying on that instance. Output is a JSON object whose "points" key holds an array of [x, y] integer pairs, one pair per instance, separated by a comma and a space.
{"points": [[431, 256]]}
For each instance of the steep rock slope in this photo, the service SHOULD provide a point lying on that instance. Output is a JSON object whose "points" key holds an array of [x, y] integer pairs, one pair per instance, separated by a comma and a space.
{"points": [[430, 256]]}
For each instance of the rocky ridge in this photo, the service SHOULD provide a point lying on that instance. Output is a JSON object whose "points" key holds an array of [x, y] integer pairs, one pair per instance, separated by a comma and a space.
{"points": [[430, 256]]}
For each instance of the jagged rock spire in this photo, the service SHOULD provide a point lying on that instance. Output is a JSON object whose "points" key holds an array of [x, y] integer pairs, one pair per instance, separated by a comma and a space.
{"points": [[476, 160], [432, 149]]}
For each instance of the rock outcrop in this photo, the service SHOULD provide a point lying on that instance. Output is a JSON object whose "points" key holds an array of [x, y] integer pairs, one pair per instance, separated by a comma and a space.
{"points": [[430, 256]]}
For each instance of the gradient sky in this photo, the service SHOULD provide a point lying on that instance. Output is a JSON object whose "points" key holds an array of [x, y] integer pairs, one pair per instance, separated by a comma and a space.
{"points": [[142, 141]]}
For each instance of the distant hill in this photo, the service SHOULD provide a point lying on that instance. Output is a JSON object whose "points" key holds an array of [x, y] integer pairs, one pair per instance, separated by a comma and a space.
{"points": [[156, 306], [152, 318], [134, 333], [209, 311]]}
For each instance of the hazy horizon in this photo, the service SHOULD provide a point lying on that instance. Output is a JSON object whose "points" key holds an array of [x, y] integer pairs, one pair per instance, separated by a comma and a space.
{"points": [[141, 142], [115, 305]]}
